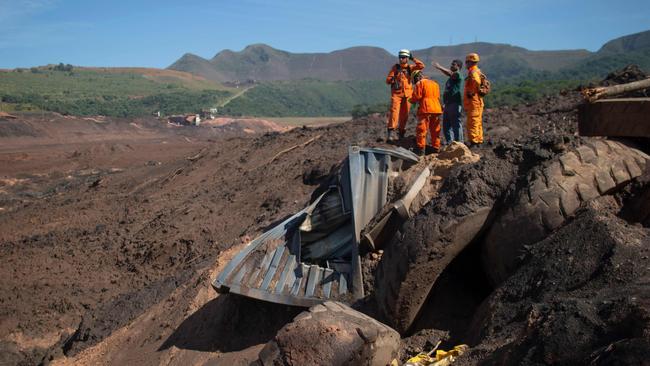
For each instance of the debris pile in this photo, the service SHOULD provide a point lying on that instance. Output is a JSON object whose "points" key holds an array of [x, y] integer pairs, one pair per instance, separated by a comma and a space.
{"points": [[497, 206], [537, 240]]}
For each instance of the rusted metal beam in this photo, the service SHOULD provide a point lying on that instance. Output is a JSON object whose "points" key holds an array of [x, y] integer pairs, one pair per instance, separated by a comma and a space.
{"points": [[628, 117]]}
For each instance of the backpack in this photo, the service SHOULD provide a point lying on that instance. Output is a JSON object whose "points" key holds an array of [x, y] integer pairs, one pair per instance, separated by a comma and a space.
{"points": [[484, 88], [396, 85]]}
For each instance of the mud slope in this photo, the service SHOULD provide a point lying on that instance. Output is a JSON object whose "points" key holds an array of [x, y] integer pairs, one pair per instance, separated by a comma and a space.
{"points": [[94, 233]]}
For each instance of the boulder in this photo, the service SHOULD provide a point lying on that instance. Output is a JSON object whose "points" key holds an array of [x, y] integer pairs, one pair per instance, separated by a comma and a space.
{"points": [[332, 333]]}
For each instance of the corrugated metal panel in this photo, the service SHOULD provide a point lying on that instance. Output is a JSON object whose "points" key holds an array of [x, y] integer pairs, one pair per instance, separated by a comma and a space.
{"points": [[268, 268], [370, 170], [273, 268], [326, 217], [369, 173], [336, 245]]}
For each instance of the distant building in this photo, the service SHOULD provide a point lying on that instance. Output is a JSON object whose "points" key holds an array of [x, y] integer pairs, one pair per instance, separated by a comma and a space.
{"points": [[208, 113], [185, 120]]}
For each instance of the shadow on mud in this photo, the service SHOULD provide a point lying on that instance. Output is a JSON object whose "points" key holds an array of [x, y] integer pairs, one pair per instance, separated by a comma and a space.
{"points": [[230, 323], [456, 296]]}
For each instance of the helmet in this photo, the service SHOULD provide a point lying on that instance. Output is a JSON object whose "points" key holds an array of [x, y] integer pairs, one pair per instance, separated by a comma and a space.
{"points": [[416, 74], [472, 57], [405, 53]]}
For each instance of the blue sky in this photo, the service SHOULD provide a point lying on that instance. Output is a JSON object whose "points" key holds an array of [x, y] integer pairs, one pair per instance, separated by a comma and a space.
{"points": [[156, 33]]}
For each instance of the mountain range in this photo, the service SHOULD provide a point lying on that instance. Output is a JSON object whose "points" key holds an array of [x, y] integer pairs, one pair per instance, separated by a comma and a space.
{"points": [[261, 62]]}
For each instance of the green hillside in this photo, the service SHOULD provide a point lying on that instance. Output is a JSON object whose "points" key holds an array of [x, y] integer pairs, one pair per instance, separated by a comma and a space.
{"points": [[121, 92], [502, 60], [632, 42], [307, 98], [600, 65]]}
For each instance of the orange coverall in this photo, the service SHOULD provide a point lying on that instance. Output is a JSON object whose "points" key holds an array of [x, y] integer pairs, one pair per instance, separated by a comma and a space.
{"points": [[399, 106], [427, 94], [473, 104]]}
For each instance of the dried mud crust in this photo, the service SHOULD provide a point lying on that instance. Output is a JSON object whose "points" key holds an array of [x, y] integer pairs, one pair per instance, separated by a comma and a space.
{"points": [[428, 242], [553, 194]]}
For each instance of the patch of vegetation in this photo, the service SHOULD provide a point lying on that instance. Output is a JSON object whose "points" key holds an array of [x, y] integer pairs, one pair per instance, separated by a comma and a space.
{"points": [[361, 110], [526, 91], [119, 106], [67, 90], [307, 98], [598, 66]]}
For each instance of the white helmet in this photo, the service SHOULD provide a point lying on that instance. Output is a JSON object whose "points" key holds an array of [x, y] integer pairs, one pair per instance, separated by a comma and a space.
{"points": [[404, 52]]}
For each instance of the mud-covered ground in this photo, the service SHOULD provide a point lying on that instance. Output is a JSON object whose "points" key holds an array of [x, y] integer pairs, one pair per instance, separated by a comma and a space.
{"points": [[111, 231], [101, 221]]}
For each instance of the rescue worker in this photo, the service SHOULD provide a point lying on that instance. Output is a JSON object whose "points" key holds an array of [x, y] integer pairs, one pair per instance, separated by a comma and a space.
{"points": [[472, 101], [452, 99], [399, 78], [426, 93]]}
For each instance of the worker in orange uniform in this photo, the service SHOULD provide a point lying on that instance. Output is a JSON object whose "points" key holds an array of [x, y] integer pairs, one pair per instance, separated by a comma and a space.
{"points": [[426, 93], [399, 79], [473, 101]]}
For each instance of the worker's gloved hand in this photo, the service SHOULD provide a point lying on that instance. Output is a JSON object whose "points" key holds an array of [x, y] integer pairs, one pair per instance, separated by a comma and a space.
{"points": [[411, 57]]}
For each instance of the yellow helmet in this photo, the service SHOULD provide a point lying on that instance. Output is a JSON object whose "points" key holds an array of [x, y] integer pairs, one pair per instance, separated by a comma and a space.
{"points": [[472, 57], [416, 74]]}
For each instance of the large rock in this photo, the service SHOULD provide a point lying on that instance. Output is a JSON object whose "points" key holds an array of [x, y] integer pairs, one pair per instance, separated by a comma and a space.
{"points": [[332, 334]]}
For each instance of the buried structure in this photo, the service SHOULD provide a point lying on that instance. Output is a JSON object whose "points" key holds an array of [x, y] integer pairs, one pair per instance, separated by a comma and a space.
{"points": [[313, 256], [546, 220]]}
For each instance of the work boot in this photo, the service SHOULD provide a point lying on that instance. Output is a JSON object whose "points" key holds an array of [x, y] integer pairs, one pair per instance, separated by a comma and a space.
{"points": [[419, 152], [390, 135], [401, 135], [432, 150]]}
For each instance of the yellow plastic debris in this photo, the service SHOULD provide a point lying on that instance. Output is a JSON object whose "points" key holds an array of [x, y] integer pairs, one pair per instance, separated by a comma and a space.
{"points": [[457, 351], [442, 358], [421, 359]]}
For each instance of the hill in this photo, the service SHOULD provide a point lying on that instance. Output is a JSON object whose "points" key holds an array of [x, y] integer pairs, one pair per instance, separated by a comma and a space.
{"points": [[264, 63], [504, 61], [261, 62], [280, 83], [118, 92], [519, 76], [629, 43], [615, 54]]}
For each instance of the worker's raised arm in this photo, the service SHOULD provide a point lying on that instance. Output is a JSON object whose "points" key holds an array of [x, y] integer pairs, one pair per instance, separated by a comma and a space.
{"points": [[442, 69], [419, 65]]}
